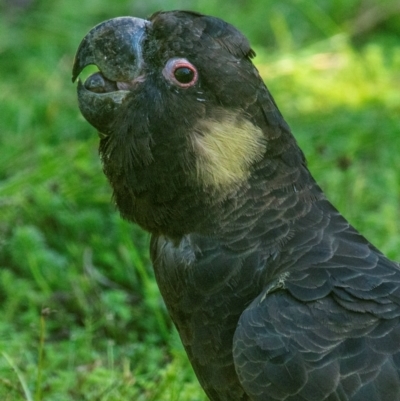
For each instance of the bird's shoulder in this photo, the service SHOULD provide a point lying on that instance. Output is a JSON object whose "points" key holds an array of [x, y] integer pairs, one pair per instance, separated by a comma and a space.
{"points": [[326, 328]]}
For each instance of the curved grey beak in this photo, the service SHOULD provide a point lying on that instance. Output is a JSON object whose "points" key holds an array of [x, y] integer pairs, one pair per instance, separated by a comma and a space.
{"points": [[115, 47]]}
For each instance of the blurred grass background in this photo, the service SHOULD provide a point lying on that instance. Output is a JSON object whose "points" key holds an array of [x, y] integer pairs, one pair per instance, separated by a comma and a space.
{"points": [[81, 316]]}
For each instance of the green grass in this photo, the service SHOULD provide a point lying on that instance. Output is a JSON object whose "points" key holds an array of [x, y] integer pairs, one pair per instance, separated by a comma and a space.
{"points": [[81, 316]]}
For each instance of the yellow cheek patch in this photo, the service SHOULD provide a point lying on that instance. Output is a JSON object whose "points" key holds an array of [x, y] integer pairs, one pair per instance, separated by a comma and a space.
{"points": [[225, 149]]}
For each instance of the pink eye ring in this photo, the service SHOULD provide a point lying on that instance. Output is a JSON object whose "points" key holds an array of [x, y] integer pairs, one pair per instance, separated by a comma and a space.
{"points": [[180, 72]]}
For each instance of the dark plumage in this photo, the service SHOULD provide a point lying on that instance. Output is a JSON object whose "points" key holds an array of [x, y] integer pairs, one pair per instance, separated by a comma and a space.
{"points": [[274, 294]]}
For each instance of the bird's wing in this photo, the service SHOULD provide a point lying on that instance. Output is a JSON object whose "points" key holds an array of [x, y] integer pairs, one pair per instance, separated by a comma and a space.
{"points": [[323, 334]]}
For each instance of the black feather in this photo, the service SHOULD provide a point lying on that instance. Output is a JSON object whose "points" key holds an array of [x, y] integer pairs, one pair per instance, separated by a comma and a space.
{"points": [[274, 294]]}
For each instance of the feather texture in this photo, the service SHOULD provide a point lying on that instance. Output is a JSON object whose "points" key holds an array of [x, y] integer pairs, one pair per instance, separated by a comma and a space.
{"points": [[275, 296]]}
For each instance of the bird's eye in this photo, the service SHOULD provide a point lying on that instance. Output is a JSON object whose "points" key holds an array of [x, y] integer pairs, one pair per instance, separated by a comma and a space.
{"points": [[184, 75], [180, 72]]}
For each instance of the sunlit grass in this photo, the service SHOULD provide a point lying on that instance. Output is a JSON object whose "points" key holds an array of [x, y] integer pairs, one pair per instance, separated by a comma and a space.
{"points": [[343, 106]]}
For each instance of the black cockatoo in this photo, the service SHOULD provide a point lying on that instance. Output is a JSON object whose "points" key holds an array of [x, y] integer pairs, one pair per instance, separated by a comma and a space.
{"points": [[274, 294]]}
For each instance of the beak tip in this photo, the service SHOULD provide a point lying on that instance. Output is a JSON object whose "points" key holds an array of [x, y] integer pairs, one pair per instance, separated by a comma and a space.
{"points": [[75, 74], [76, 67], [76, 70]]}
